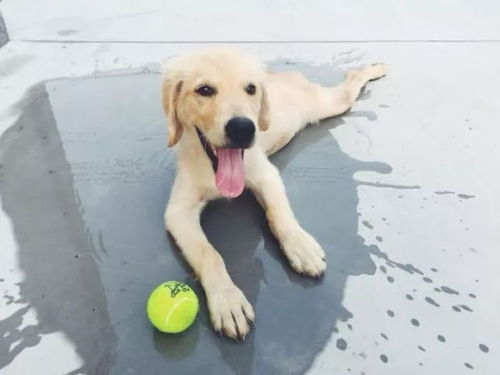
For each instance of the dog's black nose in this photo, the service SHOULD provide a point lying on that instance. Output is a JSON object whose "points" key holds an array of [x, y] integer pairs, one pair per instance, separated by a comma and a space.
{"points": [[240, 131]]}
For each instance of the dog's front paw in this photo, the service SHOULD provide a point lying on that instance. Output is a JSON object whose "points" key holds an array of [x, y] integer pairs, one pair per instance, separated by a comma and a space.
{"points": [[230, 311], [305, 254]]}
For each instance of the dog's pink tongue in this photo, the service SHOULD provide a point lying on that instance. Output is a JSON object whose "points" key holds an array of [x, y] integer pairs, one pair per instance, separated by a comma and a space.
{"points": [[230, 175]]}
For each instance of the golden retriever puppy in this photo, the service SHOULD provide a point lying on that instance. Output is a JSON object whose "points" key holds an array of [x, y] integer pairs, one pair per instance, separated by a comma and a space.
{"points": [[227, 114]]}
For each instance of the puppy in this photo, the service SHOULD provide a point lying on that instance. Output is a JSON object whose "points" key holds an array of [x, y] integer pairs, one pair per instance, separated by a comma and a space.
{"points": [[226, 114]]}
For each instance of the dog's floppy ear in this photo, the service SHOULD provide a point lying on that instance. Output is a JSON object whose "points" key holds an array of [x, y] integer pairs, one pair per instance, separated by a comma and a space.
{"points": [[171, 91], [264, 111]]}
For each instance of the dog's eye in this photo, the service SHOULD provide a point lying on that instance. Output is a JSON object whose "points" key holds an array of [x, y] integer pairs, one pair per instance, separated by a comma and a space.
{"points": [[205, 90], [250, 89]]}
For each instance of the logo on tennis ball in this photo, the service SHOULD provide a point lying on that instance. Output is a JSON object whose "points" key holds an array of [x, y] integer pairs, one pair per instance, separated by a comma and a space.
{"points": [[176, 287]]}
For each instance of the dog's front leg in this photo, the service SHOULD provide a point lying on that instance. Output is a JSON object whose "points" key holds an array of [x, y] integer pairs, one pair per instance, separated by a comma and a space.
{"points": [[230, 311], [303, 252]]}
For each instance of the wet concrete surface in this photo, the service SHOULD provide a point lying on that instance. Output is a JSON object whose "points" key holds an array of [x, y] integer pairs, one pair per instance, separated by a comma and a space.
{"points": [[85, 183], [4, 36], [85, 175], [61, 275]]}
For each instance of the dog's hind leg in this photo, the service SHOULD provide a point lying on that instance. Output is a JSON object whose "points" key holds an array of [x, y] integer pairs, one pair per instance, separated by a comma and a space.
{"points": [[296, 102], [333, 101]]}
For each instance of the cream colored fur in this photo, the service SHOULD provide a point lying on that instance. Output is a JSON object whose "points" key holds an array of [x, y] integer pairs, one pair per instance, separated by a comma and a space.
{"points": [[282, 105]]}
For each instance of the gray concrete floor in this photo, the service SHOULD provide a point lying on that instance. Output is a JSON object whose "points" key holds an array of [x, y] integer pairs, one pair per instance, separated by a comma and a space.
{"points": [[401, 192], [4, 37]]}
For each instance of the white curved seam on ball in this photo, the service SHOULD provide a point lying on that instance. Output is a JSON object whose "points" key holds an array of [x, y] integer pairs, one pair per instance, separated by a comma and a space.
{"points": [[175, 307]]}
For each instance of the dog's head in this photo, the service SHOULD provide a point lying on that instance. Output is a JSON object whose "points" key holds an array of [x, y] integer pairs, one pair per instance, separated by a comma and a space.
{"points": [[219, 95]]}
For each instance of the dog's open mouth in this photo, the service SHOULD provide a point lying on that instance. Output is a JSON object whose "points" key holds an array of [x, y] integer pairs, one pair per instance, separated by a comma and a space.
{"points": [[228, 167]]}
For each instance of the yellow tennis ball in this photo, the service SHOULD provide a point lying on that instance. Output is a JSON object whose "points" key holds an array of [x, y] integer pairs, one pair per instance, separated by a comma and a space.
{"points": [[172, 307]]}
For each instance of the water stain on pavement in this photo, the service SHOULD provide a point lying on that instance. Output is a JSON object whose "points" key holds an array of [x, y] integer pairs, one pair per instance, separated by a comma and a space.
{"points": [[85, 177]]}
